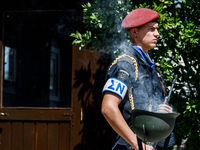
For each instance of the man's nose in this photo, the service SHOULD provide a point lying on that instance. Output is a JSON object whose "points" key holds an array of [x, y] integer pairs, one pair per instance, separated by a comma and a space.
{"points": [[156, 33]]}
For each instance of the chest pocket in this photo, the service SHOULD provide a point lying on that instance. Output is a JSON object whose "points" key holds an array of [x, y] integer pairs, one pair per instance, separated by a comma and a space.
{"points": [[141, 90]]}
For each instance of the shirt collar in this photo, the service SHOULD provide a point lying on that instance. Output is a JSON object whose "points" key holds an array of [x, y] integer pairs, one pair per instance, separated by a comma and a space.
{"points": [[145, 56]]}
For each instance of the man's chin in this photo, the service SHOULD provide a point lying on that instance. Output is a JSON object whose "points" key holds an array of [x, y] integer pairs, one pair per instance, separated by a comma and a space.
{"points": [[153, 46]]}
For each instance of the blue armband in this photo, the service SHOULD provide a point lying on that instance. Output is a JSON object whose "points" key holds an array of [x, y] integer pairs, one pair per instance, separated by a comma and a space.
{"points": [[116, 86]]}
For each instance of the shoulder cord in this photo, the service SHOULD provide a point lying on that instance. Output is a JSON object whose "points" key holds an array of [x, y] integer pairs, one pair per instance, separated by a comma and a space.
{"points": [[130, 95], [134, 61]]}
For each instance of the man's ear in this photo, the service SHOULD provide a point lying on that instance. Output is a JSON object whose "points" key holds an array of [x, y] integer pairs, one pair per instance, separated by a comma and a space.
{"points": [[134, 32]]}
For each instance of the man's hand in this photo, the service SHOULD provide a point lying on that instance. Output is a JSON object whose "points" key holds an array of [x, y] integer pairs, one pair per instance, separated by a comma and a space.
{"points": [[148, 147], [164, 108], [144, 146]]}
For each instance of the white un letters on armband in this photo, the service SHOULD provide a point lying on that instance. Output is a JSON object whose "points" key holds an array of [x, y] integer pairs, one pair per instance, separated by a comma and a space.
{"points": [[116, 86]]}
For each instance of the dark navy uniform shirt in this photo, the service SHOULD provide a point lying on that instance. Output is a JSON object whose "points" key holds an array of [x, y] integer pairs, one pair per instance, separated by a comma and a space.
{"points": [[139, 81]]}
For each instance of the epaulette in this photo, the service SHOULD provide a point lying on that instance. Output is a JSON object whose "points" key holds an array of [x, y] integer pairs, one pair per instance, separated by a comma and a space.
{"points": [[133, 61]]}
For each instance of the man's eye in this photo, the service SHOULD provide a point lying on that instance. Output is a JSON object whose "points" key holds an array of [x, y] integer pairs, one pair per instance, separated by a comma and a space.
{"points": [[151, 29]]}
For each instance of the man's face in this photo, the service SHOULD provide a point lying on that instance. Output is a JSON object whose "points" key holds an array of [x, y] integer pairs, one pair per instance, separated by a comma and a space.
{"points": [[146, 36]]}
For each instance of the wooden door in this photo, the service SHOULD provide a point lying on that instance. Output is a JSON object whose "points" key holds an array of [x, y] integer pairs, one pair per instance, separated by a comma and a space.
{"points": [[37, 108], [50, 94], [78, 127], [35, 128]]}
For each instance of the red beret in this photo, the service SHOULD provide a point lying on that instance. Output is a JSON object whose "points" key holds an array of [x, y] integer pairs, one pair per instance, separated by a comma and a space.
{"points": [[139, 17]]}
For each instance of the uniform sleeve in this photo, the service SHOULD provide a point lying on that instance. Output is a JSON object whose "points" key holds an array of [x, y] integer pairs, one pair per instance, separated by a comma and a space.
{"points": [[120, 77]]}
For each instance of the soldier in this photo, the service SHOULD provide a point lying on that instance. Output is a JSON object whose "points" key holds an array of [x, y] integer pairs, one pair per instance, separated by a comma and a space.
{"points": [[133, 80]]}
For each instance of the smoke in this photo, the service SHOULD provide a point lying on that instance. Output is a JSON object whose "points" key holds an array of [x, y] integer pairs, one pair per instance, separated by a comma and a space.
{"points": [[149, 94], [112, 13]]}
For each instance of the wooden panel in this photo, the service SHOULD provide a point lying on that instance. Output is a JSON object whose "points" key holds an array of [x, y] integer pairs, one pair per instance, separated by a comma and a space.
{"points": [[53, 133], [64, 136], [34, 136], [41, 136], [88, 78], [17, 136], [5, 136], [32, 114], [29, 136]]}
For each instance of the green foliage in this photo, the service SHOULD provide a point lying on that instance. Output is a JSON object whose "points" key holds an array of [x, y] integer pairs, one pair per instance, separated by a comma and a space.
{"points": [[178, 48], [103, 20], [177, 51], [82, 39]]}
